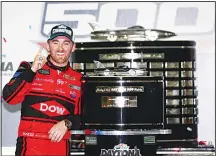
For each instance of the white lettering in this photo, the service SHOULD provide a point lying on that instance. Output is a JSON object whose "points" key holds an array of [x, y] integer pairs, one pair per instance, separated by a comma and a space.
{"points": [[37, 88], [61, 82], [28, 134], [45, 80], [44, 107], [52, 108], [62, 30], [36, 84], [60, 110]]}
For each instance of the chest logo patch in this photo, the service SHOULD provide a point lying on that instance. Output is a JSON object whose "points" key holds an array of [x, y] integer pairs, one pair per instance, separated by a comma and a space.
{"points": [[51, 108], [69, 77], [44, 71], [72, 94], [74, 87]]}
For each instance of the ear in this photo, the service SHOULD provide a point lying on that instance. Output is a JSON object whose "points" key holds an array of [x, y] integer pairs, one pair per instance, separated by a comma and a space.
{"points": [[47, 46], [74, 47]]}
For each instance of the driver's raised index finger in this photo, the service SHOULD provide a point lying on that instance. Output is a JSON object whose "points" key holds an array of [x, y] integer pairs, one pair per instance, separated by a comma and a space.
{"points": [[40, 51]]}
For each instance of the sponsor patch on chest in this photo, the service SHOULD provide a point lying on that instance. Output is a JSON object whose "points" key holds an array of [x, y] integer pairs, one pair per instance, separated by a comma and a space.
{"points": [[69, 77], [44, 71], [74, 87]]}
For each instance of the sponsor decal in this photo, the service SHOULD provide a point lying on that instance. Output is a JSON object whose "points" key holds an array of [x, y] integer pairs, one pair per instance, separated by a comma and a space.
{"points": [[37, 89], [36, 84], [29, 134], [121, 146], [91, 140], [45, 80], [74, 87], [61, 82], [60, 91], [17, 74], [38, 135], [120, 150], [51, 108], [58, 72], [72, 94], [62, 30], [69, 77], [11, 82], [149, 140], [44, 71]]}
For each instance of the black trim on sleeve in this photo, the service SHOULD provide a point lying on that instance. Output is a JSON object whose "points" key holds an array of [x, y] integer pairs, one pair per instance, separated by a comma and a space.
{"points": [[75, 120], [28, 75]]}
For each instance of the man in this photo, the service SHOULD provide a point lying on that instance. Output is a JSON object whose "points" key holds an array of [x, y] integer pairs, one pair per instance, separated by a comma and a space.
{"points": [[49, 90]]}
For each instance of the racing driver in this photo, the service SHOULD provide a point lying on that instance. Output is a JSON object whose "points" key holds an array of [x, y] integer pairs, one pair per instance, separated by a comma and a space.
{"points": [[49, 90]]}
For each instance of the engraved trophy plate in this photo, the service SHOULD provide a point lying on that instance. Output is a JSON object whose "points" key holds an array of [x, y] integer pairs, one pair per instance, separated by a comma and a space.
{"points": [[156, 65], [189, 101], [156, 73], [172, 74], [118, 101], [152, 56], [129, 56], [187, 64], [93, 65], [171, 65], [173, 120], [188, 111], [172, 83], [189, 92], [119, 89], [90, 73], [139, 64], [172, 92], [187, 83], [78, 66], [90, 66], [91, 140], [187, 74], [172, 102], [172, 111], [194, 64], [112, 56], [196, 102], [123, 64], [187, 120]]}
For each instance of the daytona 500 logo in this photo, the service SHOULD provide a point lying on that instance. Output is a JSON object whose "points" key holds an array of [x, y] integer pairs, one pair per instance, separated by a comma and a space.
{"points": [[184, 18], [120, 150]]}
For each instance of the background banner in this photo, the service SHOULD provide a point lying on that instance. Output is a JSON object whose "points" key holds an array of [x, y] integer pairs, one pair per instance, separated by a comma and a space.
{"points": [[26, 25]]}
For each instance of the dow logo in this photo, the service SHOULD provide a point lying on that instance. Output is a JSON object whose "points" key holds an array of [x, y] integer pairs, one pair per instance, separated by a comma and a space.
{"points": [[183, 18]]}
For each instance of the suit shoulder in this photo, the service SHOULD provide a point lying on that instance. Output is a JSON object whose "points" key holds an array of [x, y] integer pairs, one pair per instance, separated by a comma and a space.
{"points": [[75, 73], [25, 64]]}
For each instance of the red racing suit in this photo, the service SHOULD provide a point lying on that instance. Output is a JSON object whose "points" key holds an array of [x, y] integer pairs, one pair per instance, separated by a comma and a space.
{"points": [[48, 96]]}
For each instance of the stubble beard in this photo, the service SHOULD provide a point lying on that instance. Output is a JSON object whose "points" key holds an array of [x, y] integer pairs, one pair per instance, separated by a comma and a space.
{"points": [[60, 61]]}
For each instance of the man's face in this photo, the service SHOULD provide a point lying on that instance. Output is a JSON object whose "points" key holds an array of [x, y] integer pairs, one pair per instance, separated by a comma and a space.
{"points": [[60, 49]]}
